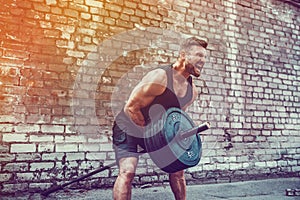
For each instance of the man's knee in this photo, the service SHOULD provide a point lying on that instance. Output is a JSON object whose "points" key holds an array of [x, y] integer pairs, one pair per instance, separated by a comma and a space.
{"points": [[126, 176], [127, 169], [177, 175]]}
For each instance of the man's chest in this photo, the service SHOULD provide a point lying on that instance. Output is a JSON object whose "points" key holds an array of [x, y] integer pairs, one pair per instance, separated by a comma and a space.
{"points": [[180, 88]]}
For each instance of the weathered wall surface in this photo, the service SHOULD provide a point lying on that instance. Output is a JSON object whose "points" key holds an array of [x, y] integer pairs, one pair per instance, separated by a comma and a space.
{"points": [[66, 68]]}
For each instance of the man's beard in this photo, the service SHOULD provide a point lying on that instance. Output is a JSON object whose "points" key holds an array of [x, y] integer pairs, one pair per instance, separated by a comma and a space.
{"points": [[192, 70]]}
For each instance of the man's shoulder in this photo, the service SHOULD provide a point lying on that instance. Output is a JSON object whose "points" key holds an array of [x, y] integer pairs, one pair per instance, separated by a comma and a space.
{"points": [[157, 74]]}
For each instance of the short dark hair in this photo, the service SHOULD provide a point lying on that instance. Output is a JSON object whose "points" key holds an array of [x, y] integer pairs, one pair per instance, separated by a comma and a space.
{"points": [[187, 43]]}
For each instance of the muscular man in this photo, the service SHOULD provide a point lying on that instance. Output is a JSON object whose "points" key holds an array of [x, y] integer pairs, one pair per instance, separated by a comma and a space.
{"points": [[164, 87]]}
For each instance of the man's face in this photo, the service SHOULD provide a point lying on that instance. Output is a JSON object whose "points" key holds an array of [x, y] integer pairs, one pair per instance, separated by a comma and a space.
{"points": [[195, 60]]}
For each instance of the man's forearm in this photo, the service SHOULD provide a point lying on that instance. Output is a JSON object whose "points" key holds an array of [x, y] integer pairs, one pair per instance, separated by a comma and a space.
{"points": [[135, 115]]}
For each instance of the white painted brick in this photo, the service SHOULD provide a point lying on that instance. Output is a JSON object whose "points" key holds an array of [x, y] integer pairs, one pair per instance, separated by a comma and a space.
{"points": [[59, 139], [7, 118], [75, 139], [292, 162], [235, 166], [28, 157], [205, 160], [260, 164], [72, 164], [90, 165], [15, 137], [221, 166], [41, 138], [88, 147], [66, 147], [96, 156], [13, 187], [52, 129], [94, 3], [296, 168], [245, 165], [40, 186], [271, 164], [45, 147], [5, 177], [27, 128], [7, 157], [102, 139], [214, 166], [230, 159], [70, 129], [41, 166], [106, 147], [74, 156], [76, 54], [28, 176], [22, 148], [13, 167], [52, 156], [6, 128]]}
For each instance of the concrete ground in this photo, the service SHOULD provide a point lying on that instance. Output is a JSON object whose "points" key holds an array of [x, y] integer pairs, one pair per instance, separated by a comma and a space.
{"points": [[270, 189]]}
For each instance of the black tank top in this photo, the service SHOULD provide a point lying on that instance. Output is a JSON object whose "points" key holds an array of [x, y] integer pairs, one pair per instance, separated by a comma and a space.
{"points": [[167, 99]]}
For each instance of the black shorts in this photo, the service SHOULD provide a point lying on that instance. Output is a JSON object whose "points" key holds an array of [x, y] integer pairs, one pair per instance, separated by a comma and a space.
{"points": [[126, 138]]}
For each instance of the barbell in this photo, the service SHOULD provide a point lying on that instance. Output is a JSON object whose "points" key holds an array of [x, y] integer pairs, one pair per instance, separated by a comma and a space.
{"points": [[172, 142]]}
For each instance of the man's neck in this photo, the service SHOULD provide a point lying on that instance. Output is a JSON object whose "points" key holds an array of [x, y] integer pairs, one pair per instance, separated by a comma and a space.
{"points": [[179, 72]]}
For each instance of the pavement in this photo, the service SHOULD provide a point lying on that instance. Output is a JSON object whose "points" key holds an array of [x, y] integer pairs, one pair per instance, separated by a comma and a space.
{"points": [[269, 189]]}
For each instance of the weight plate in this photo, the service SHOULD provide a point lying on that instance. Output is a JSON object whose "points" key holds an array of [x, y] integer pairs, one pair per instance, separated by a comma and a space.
{"points": [[167, 151]]}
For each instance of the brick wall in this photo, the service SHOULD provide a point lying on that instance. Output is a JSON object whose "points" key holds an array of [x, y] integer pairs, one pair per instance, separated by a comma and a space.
{"points": [[66, 68]]}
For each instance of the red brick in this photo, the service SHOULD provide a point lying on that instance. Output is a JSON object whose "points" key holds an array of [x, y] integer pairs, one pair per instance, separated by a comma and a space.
{"points": [[34, 14], [9, 80], [78, 7], [52, 33], [23, 4], [113, 7], [46, 58], [17, 54], [109, 21], [130, 4], [149, 2], [56, 18], [41, 7], [125, 24], [16, 11], [43, 41], [71, 13], [56, 10]]}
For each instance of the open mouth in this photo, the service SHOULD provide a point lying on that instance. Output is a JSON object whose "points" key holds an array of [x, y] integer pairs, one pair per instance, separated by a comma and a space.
{"points": [[198, 67]]}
